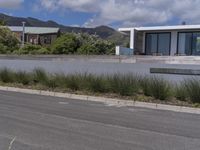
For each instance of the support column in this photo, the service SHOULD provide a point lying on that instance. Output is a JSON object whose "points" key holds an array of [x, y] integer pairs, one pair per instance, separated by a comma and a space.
{"points": [[23, 33], [132, 39]]}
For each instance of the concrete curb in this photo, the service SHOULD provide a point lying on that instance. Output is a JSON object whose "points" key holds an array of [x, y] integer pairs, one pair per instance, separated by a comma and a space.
{"points": [[108, 101]]}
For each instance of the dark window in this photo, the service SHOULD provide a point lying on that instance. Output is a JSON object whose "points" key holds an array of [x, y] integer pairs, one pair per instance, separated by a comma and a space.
{"points": [[189, 43], [196, 44], [151, 44], [47, 40], [158, 43], [185, 43]]}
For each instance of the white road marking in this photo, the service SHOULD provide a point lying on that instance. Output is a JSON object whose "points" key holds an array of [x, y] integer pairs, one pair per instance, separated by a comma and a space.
{"points": [[11, 143], [113, 105], [63, 103]]}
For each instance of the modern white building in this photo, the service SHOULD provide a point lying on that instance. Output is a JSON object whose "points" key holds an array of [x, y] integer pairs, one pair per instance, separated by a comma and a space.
{"points": [[165, 40]]}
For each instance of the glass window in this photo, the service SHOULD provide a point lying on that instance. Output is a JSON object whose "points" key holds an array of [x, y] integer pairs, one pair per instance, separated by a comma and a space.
{"points": [[196, 44], [185, 44], [164, 43], [151, 44], [158, 43]]}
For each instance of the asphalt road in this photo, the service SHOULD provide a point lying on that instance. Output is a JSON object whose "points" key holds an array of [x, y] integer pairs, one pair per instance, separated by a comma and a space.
{"points": [[48, 123]]}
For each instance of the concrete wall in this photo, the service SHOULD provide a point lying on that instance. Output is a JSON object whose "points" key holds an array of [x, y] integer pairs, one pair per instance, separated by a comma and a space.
{"points": [[174, 40], [139, 40], [123, 51]]}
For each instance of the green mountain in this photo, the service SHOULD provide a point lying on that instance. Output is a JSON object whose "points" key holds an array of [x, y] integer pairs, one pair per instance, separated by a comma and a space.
{"points": [[103, 32]]}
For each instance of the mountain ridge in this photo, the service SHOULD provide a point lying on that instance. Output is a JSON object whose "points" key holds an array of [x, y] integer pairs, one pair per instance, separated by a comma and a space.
{"points": [[103, 31]]}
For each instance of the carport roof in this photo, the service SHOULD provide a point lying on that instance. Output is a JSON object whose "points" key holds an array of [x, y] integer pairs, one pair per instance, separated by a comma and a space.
{"points": [[34, 30]]}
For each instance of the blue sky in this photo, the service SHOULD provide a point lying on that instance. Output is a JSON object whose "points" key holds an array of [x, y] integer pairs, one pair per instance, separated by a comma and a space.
{"points": [[67, 17], [91, 13]]}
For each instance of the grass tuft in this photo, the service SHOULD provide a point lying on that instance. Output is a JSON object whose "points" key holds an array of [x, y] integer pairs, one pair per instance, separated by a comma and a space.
{"points": [[22, 77], [40, 76], [180, 92], [6, 76], [192, 87], [159, 88]]}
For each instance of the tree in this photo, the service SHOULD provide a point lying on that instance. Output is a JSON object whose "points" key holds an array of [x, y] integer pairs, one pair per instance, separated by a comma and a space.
{"points": [[82, 44], [2, 23], [91, 44], [66, 44], [87, 49], [8, 41], [105, 47]]}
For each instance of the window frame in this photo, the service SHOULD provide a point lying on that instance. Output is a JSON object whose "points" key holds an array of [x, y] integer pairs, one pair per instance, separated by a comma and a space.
{"points": [[157, 34], [192, 32]]}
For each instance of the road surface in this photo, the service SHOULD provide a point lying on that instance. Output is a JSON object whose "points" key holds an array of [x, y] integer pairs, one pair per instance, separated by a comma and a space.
{"points": [[33, 122]]}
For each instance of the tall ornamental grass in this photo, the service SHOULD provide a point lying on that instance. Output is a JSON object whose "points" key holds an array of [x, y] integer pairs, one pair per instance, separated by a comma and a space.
{"points": [[6, 76], [120, 84], [192, 88]]}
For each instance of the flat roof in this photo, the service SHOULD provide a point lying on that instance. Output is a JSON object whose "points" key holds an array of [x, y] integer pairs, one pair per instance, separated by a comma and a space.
{"points": [[34, 30], [162, 28]]}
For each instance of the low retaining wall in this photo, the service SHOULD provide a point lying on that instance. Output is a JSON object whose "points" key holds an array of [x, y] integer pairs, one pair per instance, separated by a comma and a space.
{"points": [[175, 71], [110, 58]]}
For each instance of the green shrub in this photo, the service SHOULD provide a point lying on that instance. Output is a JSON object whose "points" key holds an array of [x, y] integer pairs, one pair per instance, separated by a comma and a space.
{"points": [[43, 50], [159, 88], [192, 87], [87, 49], [66, 44], [6, 75], [51, 82], [85, 44], [98, 84], [3, 48], [72, 82], [32, 49], [180, 92], [40, 76], [121, 84], [145, 85], [22, 77], [125, 85], [104, 47], [8, 41]]}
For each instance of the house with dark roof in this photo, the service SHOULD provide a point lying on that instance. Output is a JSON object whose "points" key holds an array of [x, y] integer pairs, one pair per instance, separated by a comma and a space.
{"points": [[36, 35]]}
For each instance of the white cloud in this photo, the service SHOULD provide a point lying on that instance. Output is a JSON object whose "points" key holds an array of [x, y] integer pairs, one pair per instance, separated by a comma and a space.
{"points": [[130, 12], [75, 5], [10, 3]]}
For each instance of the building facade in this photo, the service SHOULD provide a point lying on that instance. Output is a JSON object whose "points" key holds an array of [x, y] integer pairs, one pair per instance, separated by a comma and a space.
{"points": [[181, 40], [36, 35]]}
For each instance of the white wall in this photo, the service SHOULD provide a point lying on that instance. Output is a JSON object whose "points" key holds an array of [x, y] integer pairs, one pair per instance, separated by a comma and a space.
{"points": [[132, 39], [174, 36], [117, 49]]}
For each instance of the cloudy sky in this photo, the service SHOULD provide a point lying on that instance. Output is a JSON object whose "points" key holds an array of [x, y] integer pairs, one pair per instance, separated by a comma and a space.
{"points": [[90, 13]]}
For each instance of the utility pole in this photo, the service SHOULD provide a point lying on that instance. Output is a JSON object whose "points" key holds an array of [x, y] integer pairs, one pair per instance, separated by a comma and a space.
{"points": [[23, 33]]}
